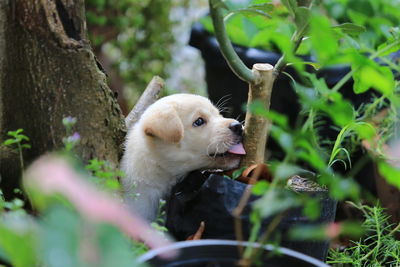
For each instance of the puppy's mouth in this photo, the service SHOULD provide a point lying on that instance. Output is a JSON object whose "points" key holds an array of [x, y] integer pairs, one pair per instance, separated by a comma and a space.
{"points": [[236, 149]]}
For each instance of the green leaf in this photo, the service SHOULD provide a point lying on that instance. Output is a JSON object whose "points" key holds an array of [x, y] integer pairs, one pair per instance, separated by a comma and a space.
{"points": [[291, 5], [283, 171], [237, 31], [260, 188], [364, 131], [10, 142], [302, 18], [368, 74], [24, 137], [388, 48], [308, 232], [390, 173], [323, 39], [350, 28], [312, 208], [18, 244], [284, 138], [265, 7], [249, 12], [315, 65], [275, 201], [261, 38], [237, 173]]}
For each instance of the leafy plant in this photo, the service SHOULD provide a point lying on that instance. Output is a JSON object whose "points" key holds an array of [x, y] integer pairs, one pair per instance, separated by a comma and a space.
{"points": [[135, 35], [330, 44], [19, 140], [159, 222], [104, 174], [378, 247]]}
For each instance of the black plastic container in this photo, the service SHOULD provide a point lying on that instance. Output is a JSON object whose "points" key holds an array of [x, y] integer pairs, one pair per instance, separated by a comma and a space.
{"points": [[225, 253], [212, 199]]}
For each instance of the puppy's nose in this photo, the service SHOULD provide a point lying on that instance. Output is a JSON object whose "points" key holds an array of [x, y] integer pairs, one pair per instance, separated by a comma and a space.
{"points": [[237, 128]]}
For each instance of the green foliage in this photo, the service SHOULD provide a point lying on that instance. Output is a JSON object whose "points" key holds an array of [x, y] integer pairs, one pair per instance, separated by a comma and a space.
{"points": [[18, 138], [390, 172], [80, 243], [237, 173], [331, 42], [136, 35], [323, 39], [363, 129], [17, 238], [377, 17], [105, 175], [18, 141], [16, 233], [250, 25], [368, 74], [378, 247], [159, 222], [61, 237]]}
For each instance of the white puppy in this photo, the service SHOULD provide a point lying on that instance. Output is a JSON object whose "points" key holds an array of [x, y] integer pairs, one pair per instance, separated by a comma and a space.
{"points": [[174, 136]]}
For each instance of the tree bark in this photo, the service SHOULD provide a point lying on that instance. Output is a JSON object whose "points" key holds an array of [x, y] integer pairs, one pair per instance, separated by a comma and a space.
{"points": [[48, 72]]}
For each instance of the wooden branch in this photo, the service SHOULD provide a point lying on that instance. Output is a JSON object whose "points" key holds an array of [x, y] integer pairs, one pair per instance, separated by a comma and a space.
{"points": [[256, 130], [148, 97]]}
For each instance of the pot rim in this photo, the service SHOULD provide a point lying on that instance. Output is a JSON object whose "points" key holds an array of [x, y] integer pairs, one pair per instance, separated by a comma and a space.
{"points": [[220, 242]]}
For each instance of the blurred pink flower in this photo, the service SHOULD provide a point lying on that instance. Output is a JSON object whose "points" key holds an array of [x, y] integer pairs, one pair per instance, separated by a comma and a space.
{"points": [[53, 175]]}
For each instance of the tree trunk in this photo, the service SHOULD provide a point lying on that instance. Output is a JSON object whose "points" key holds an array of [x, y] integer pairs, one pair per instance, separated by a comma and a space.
{"points": [[48, 72]]}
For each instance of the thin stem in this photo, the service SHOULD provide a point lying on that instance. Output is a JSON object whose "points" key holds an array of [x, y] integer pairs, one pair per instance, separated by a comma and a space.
{"points": [[344, 80], [397, 228], [378, 241], [242, 204], [225, 45], [296, 38], [251, 254], [21, 158]]}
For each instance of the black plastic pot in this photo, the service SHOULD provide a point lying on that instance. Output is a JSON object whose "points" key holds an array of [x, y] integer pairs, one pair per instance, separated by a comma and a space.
{"points": [[212, 199], [225, 253]]}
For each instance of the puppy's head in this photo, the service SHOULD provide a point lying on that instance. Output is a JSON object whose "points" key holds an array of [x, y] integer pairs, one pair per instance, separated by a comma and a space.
{"points": [[187, 132]]}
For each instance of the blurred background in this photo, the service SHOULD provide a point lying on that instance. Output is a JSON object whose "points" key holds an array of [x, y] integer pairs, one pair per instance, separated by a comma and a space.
{"points": [[135, 40]]}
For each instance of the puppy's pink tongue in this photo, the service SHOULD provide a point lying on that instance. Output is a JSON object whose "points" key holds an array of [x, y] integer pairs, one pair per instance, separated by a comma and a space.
{"points": [[237, 149]]}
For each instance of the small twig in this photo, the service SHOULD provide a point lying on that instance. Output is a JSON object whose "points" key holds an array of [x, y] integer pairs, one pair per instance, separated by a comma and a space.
{"points": [[148, 97], [242, 204], [265, 236]]}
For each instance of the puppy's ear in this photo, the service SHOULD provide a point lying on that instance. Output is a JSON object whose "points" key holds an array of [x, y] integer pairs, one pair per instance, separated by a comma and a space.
{"points": [[165, 125]]}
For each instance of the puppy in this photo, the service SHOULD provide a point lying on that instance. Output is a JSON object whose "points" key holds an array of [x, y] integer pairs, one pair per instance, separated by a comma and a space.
{"points": [[174, 136]]}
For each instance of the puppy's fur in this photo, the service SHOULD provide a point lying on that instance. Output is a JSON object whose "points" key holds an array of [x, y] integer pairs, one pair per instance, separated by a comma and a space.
{"points": [[169, 141]]}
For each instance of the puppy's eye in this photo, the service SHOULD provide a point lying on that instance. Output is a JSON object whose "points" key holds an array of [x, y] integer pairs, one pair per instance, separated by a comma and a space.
{"points": [[200, 121]]}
